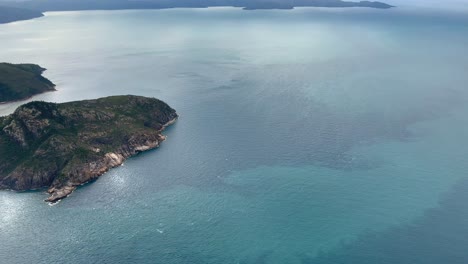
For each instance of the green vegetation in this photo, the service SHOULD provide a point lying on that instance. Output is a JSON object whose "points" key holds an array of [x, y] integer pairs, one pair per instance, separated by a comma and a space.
{"points": [[65, 145], [21, 81]]}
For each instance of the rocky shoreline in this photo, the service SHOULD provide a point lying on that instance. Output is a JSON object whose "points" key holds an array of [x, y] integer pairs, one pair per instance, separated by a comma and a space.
{"points": [[62, 146], [110, 160]]}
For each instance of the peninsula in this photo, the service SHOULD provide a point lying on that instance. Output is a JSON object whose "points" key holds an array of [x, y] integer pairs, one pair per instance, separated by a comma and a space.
{"points": [[21, 81], [11, 14], [61, 146]]}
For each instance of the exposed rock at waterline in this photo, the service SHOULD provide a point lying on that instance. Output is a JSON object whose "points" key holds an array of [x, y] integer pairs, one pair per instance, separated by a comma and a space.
{"points": [[61, 146]]}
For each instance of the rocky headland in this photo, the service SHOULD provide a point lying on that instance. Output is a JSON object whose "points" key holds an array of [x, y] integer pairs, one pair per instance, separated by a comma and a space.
{"points": [[10, 14], [61, 146], [21, 81]]}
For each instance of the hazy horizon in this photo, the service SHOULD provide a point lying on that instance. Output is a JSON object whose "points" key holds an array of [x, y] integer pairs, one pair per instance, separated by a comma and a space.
{"points": [[419, 3]]}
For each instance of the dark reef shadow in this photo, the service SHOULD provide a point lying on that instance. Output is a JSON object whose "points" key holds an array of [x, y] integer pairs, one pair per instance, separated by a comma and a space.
{"points": [[439, 236]]}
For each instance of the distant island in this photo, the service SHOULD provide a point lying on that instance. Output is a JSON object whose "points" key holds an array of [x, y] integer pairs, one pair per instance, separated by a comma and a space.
{"points": [[62, 146], [11, 14], [67, 5], [21, 81]]}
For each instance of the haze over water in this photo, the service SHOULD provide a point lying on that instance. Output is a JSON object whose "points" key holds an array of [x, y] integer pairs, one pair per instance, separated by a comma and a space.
{"points": [[305, 136]]}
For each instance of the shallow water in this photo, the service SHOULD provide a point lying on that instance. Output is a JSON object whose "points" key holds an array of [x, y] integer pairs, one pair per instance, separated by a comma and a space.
{"points": [[306, 136]]}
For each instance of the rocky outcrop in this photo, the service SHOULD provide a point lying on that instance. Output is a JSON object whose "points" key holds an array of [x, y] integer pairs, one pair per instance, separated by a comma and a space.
{"points": [[62, 146], [92, 170]]}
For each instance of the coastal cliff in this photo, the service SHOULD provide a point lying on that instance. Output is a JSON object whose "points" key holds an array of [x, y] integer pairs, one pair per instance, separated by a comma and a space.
{"points": [[62, 146], [21, 81]]}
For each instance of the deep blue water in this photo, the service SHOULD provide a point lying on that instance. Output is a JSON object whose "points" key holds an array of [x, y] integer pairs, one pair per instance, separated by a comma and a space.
{"points": [[306, 136]]}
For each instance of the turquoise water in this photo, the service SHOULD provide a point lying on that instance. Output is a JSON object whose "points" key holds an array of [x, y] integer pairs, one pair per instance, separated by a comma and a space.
{"points": [[306, 136]]}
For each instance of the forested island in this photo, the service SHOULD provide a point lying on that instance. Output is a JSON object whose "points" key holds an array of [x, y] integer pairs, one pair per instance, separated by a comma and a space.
{"points": [[21, 81], [73, 5], [61, 146]]}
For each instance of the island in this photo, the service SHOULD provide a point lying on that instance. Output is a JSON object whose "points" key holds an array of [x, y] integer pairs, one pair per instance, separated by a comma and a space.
{"points": [[67, 5], [61, 146], [21, 81], [11, 14], [291, 4]]}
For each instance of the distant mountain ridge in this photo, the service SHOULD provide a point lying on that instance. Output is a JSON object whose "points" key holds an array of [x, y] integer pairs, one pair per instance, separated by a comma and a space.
{"points": [[63, 5], [73, 5]]}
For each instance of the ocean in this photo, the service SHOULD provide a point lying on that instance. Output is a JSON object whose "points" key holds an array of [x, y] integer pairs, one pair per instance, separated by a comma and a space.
{"points": [[312, 136]]}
